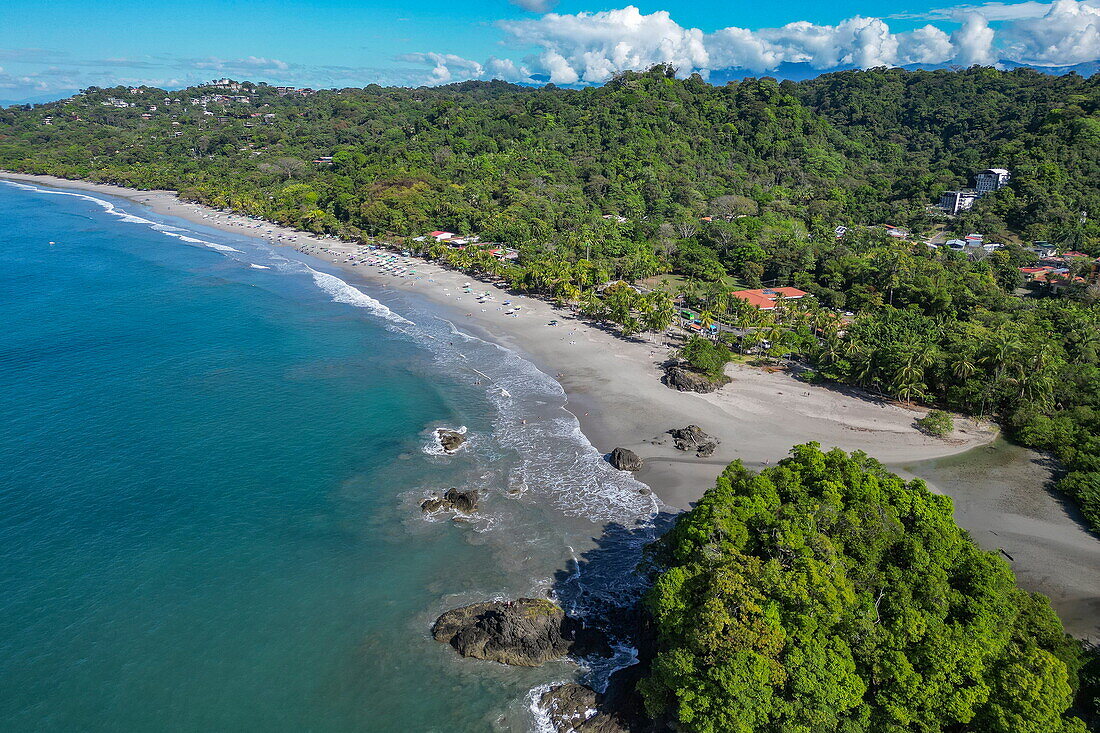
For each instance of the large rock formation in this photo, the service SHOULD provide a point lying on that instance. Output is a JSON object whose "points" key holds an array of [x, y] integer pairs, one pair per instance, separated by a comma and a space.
{"points": [[689, 380], [692, 438], [464, 502], [625, 459], [526, 632], [449, 440]]}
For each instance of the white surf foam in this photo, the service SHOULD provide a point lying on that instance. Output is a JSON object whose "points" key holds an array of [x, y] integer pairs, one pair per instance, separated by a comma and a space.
{"points": [[434, 446], [341, 292], [106, 205], [129, 218], [196, 240], [258, 267], [540, 716]]}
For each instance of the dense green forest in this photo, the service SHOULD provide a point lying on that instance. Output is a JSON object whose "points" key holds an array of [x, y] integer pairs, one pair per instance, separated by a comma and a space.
{"points": [[689, 187], [827, 594], [525, 165]]}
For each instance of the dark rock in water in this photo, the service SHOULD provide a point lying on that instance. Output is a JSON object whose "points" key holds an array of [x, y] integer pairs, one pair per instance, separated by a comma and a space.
{"points": [[525, 632], [574, 708], [456, 500], [692, 438], [431, 504], [450, 440], [461, 501], [569, 705], [625, 459], [689, 380]]}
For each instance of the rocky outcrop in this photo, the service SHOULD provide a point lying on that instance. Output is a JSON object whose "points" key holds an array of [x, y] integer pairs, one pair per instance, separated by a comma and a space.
{"points": [[449, 440], [692, 438], [574, 708], [625, 459], [689, 380], [570, 705], [526, 632], [463, 502]]}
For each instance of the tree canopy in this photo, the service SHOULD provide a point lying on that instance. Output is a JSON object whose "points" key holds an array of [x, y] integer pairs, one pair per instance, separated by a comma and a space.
{"points": [[827, 594]]}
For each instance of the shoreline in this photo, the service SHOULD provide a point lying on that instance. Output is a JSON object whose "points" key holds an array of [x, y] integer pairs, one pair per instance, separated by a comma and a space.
{"points": [[612, 385]]}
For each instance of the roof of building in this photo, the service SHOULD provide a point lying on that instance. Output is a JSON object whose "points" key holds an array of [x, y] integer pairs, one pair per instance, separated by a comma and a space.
{"points": [[765, 298]]}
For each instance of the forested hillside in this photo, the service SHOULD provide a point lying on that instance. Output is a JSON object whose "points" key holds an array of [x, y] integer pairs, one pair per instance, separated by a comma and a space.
{"points": [[827, 594], [929, 131], [529, 165]]}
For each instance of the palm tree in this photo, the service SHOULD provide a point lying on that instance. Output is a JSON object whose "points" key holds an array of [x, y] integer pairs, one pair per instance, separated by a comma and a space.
{"points": [[659, 310], [1004, 347], [830, 351], [964, 366], [706, 320]]}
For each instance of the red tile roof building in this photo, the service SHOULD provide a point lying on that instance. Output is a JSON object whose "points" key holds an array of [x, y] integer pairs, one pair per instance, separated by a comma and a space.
{"points": [[767, 298]]}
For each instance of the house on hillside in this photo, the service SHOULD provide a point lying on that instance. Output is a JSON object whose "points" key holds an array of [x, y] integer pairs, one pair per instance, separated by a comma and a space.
{"points": [[953, 202], [991, 179], [767, 299]]}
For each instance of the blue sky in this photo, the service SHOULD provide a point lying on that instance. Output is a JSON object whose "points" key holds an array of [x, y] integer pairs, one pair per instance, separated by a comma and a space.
{"points": [[50, 48]]}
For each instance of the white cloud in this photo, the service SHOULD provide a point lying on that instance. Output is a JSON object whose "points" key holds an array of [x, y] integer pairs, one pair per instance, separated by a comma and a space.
{"points": [[248, 63], [593, 46], [973, 42], [590, 47], [444, 66], [992, 11], [1069, 33], [927, 45]]}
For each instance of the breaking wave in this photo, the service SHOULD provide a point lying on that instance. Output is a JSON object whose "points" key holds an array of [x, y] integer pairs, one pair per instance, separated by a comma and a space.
{"points": [[106, 205], [341, 292], [174, 232]]}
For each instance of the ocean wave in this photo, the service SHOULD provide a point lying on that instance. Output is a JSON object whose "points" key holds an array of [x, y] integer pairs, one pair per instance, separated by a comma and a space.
{"points": [[342, 292], [196, 240], [254, 266], [124, 216], [107, 206], [540, 716]]}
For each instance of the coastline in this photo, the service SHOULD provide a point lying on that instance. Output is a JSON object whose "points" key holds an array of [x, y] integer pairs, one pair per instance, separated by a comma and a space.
{"points": [[613, 385], [613, 388]]}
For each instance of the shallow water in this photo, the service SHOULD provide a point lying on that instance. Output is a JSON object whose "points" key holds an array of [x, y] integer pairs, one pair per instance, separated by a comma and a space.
{"points": [[211, 454], [1005, 497]]}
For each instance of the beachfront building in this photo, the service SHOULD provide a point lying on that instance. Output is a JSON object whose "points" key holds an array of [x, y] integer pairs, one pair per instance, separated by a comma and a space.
{"points": [[990, 180], [953, 202], [767, 299]]}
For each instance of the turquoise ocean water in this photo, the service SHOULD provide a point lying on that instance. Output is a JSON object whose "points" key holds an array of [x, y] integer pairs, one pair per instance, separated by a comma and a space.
{"points": [[211, 454]]}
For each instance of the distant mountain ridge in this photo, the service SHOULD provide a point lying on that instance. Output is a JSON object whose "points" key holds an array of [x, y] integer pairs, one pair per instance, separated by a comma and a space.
{"points": [[785, 71], [804, 71]]}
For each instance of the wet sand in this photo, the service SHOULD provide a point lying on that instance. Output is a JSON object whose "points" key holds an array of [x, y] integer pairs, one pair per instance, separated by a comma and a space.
{"points": [[1004, 496]]}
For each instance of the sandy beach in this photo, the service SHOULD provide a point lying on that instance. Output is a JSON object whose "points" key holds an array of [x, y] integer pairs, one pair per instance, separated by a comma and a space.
{"points": [[613, 386]]}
